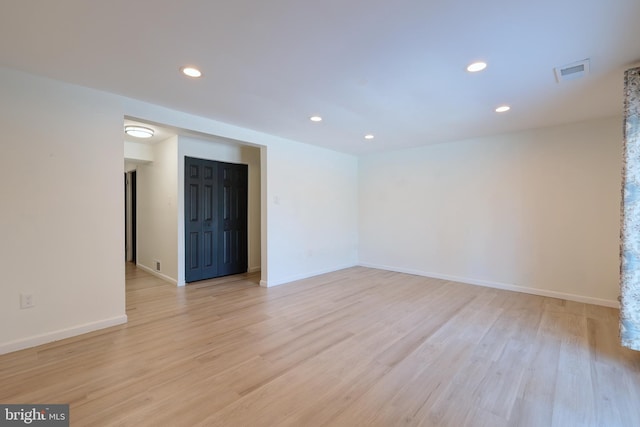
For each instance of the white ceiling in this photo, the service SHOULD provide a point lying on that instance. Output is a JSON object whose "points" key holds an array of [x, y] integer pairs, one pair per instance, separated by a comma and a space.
{"points": [[392, 68]]}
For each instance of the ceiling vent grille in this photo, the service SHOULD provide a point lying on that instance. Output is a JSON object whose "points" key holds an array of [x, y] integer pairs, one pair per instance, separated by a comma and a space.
{"points": [[572, 71]]}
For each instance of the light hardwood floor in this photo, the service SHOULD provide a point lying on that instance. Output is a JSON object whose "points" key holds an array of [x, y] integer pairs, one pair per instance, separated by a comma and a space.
{"points": [[356, 347]]}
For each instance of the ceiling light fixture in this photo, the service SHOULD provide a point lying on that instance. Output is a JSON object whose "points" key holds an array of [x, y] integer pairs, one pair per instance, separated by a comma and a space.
{"points": [[138, 131], [368, 136], [476, 66], [503, 109], [315, 118], [191, 72]]}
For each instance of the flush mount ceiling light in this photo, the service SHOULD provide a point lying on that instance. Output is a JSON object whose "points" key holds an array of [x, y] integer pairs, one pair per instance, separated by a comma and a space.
{"points": [[368, 136], [503, 109], [476, 66], [138, 131], [191, 72], [315, 118]]}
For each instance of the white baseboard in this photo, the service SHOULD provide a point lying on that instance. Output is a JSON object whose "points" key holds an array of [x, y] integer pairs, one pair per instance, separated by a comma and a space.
{"points": [[277, 282], [497, 285], [253, 269], [158, 274], [61, 334]]}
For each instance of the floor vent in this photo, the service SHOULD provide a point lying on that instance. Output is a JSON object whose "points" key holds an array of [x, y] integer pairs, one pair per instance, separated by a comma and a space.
{"points": [[572, 71]]}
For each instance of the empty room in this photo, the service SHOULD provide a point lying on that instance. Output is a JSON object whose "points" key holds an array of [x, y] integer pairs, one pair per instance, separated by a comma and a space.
{"points": [[338, 213]]}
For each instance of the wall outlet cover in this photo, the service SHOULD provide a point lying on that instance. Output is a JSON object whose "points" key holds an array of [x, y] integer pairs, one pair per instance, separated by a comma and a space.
{"points": [[26, 300]]}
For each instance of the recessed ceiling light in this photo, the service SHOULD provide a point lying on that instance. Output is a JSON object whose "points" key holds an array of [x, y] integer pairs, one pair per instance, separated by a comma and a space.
{"points": [[191, 72], [476, 66], [368, 136], [503, 109], [138, 131], [315, 118]]}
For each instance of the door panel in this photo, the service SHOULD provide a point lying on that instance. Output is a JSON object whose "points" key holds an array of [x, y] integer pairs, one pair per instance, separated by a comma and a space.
{"points": [[233, 193], [193, 251], [194, 194], [209, 250], [200, 208]]}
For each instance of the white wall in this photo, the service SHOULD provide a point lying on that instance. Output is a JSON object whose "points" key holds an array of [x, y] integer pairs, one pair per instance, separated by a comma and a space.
{"points": [[536, 211], [138, 151], [223, 151], [62, 222], [312, 196], [157, 211]]}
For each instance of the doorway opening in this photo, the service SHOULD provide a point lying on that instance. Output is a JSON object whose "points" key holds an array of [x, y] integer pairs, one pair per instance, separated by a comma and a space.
{"points": [[130, 215], [161, 241]]}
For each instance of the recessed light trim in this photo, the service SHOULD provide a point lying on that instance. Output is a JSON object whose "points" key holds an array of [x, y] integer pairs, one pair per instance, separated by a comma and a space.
{"points": [[315, 119], [503, 109], [369, 136], [139, 131], [190, 71], [476, 66]]}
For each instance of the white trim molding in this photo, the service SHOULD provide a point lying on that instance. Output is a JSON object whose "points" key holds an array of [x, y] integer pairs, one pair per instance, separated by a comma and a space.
{"points": [[498, 285], [159, 275], [293, 278], [61, 334]]}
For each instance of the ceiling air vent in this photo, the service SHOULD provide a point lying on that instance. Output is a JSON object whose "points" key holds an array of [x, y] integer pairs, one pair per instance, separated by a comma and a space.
{"points": [[572, 71]]}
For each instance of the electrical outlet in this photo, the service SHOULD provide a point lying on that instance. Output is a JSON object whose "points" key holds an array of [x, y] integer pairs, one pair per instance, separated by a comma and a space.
{"points": [[157, 265], [26, 300]]}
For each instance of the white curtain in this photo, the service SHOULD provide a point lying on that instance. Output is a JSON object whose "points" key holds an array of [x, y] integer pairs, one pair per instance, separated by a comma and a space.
{"points": [[630, 229]]}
